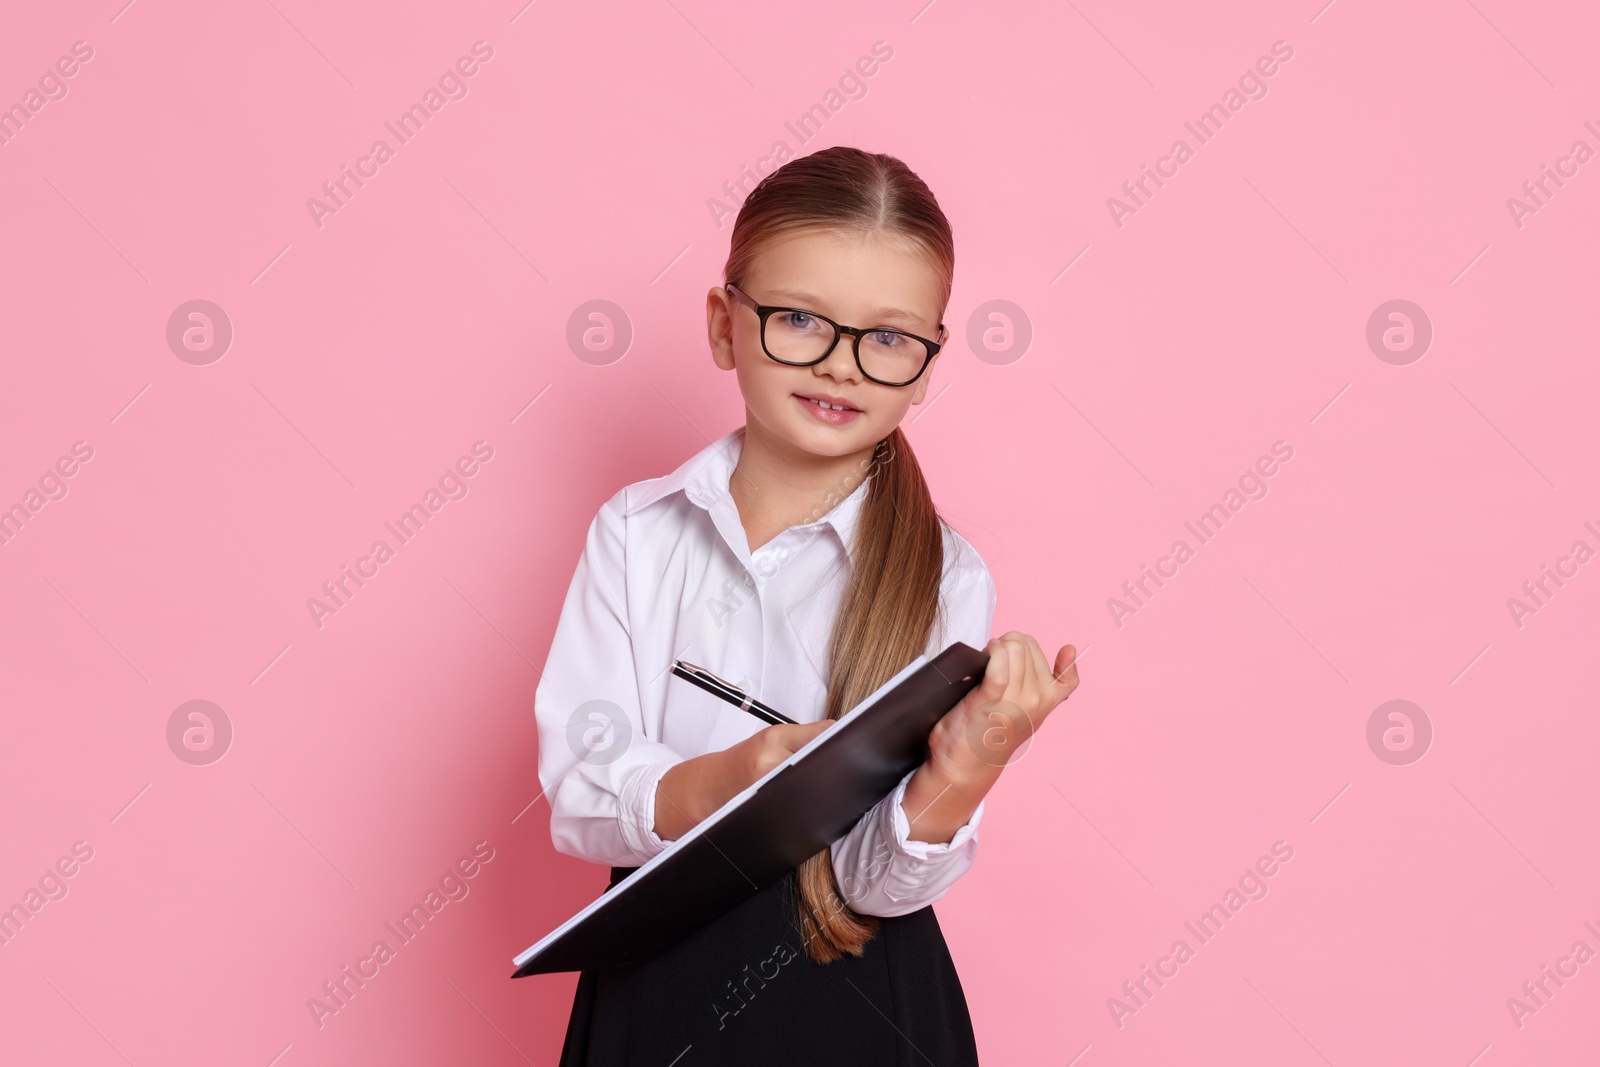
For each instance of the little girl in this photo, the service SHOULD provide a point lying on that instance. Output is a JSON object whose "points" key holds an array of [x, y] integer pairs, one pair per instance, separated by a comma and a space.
{"points": [[799, 557]]}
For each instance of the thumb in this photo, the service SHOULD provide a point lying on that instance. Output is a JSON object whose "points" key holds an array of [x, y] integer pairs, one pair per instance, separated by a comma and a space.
{"points": [[1066, 669]]}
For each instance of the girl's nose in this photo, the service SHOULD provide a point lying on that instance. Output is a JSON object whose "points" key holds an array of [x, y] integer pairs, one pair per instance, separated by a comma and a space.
{"points": [[841, 362]]}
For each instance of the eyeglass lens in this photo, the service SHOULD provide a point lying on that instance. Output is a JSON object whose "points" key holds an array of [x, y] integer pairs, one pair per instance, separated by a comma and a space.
{"points": [[795, 337]]}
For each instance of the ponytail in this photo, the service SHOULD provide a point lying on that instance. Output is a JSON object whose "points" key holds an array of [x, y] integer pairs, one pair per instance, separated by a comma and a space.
{"points": [[891, 602], [885, 619]]}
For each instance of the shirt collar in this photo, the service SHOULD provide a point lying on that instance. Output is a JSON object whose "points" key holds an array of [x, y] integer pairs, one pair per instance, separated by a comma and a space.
{"points": [[704, 476]]}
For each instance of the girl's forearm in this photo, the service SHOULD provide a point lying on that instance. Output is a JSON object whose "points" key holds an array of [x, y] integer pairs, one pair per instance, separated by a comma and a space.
{"points": [[937, 804], [692, 790]]}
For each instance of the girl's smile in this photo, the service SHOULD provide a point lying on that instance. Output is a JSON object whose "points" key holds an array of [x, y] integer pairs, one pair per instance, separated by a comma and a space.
{"points": [[824, 407]]}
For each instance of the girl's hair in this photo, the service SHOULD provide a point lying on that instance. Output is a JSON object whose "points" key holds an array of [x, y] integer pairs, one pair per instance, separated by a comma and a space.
{"points": [[891, 603]]}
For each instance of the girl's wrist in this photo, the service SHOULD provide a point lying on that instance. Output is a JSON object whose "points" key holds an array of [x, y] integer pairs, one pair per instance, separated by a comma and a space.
{"points": [[938, 802], [671, 822], [954, 753], [692, 790], [964, 776]]}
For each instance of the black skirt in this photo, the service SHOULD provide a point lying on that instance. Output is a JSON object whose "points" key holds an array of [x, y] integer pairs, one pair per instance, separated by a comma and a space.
{"points": [[741, 991]]}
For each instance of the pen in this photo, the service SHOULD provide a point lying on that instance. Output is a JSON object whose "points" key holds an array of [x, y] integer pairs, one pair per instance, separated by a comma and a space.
{"points": [[731, 693]]}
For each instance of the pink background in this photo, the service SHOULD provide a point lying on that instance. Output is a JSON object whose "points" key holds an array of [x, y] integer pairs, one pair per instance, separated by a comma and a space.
{"points": [[1167, 354]]}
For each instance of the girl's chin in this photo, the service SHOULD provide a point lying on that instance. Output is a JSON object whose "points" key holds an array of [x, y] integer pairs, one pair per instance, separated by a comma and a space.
{"points": [[820, 440]]}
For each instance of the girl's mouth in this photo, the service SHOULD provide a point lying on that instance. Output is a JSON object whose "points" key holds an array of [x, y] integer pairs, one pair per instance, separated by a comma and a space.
{"points": [[827, 413]]}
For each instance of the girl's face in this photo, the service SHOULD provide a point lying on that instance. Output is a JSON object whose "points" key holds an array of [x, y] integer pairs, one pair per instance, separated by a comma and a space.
{"points": [[855, 279]]}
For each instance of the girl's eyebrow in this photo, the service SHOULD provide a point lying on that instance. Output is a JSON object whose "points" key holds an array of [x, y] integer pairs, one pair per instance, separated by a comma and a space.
{"points": [[811, 300]]}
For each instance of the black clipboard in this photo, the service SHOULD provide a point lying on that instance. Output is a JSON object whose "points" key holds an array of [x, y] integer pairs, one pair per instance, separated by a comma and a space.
{"points": [[797, 809]]}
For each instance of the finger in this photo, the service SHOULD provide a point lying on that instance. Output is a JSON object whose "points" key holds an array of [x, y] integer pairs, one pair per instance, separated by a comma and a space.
{"points": [[797, 737], [1038, 665], [1017, 657], [1031, 675], [1066, 672], [998, 672], [1008, 675]]}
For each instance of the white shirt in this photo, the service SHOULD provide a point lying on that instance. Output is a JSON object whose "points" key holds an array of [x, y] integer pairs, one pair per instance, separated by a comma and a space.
{"points": [[667, 573]]}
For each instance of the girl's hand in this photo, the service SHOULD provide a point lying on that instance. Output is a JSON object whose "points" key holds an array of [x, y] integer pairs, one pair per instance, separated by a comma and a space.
{"points": [[690, 791], [971, 745], [763, 750]]}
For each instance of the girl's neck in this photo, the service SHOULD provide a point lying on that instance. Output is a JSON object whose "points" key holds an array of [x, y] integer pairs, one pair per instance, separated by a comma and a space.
{"points": [[777, 485]]}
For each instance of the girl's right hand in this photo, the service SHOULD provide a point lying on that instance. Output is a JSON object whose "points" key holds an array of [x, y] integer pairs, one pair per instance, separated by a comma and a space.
{"points": [[693, 789], [763, 750]]}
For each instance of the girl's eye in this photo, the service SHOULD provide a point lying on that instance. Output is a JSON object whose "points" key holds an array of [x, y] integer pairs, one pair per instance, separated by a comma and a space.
{"points": [[887, 339], [798, 320]]}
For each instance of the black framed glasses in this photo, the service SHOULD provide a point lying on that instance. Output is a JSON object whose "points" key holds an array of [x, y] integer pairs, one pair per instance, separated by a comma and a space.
{"points": [[802, 338]]}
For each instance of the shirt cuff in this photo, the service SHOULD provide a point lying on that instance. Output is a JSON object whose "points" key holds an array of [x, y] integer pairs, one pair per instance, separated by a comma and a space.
{"points": [[923, 850], [637, 812]]}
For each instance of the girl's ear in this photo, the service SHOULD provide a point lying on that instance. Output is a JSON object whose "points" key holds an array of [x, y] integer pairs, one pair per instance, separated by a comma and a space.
{"points": [[719, 326]]}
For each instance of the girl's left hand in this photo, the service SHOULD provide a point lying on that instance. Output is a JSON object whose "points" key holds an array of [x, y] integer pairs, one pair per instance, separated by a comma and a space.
{"points": [[973, 742]]}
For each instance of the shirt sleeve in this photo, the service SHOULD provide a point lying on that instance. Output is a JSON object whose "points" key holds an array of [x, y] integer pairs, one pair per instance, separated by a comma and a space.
{"points": [[881, 871], [598, 769]]}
